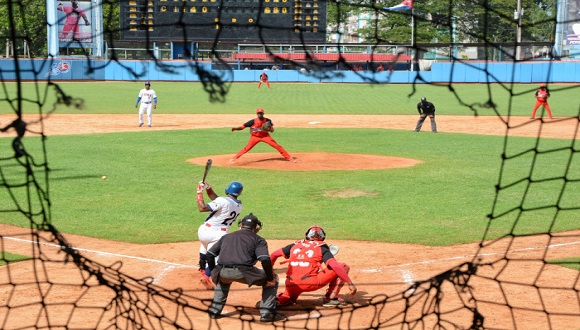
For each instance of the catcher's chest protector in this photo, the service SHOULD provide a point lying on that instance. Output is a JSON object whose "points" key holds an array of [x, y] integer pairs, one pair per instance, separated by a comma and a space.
{"points": [[305, 259]]}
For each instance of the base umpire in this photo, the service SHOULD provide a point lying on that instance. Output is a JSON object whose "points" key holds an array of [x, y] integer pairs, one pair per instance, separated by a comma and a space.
{"points": [[425, 109]]}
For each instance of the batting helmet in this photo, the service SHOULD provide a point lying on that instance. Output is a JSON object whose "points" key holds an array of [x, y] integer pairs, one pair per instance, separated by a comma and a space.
{"points": [[235, 188], [251, 221], [423, 99], [315, 233]]}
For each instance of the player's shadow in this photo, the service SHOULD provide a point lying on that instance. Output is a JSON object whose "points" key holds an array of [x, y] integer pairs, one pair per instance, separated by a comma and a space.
{"points": [[273, 159]]}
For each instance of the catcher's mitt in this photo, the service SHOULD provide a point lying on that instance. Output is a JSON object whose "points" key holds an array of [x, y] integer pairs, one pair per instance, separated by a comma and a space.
{"points": [[267, 126]]}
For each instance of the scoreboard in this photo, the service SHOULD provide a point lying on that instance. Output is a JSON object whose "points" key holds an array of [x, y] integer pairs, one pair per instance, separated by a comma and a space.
{"points": [[239, 21]]}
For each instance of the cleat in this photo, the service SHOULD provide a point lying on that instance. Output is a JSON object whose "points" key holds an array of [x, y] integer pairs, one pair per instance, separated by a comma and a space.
{"points": [[140, 124], [272, 317], [333, 302], [214, 316]]}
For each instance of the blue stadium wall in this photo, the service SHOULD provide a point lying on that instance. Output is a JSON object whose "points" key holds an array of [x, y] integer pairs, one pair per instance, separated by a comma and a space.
{"points": [[441, 72]]}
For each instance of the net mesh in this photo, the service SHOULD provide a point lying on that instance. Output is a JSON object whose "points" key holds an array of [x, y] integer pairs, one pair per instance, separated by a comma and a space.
{"points": [[482, 292]]}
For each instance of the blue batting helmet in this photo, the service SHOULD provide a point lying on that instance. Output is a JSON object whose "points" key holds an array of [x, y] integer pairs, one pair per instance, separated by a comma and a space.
{"points": [[235, 188]]}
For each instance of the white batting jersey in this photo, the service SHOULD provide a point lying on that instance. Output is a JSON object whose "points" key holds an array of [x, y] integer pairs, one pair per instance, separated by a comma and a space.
{"points": [[224, 211], [147, 96]]}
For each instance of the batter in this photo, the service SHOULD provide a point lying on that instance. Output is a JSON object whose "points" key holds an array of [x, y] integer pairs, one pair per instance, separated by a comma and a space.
{"points": [[223, 212]]}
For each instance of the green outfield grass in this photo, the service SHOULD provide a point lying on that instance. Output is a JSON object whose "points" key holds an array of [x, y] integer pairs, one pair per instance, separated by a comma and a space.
{"points": [[293, 98], [572, 263], [8, 257], [149, 195]]}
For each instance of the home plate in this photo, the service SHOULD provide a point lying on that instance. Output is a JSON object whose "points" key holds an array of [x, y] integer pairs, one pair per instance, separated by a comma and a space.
{"points": [[314, 122], [310, 315]]}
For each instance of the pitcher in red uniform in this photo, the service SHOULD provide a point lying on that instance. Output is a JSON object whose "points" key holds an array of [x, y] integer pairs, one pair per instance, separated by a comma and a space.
{"points": [[542, 96], [259, 134], [305, 272]]}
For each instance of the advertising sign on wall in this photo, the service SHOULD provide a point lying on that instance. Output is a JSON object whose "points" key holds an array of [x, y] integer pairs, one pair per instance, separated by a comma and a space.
{"points": [[573, 35], [76, 26]]}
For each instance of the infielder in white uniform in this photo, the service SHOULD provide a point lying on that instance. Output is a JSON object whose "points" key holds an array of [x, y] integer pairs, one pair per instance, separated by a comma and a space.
{"points": [[223, 213], [148, 100]]}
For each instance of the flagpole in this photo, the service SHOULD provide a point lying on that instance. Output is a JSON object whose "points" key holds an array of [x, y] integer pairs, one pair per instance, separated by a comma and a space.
{"points": [[412, 37]]}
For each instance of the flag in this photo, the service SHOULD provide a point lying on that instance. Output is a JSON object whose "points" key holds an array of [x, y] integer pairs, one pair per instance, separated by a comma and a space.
{"points": [[405, 5]]}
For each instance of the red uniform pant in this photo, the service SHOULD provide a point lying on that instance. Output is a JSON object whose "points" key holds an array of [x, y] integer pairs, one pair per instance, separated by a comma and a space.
{"points": [[265, 82], [68, 27], [541, 103], [267, 139], [295, 286]]}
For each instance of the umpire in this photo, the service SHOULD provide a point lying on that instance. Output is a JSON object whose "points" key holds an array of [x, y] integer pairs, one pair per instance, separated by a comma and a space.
{"points": [[238, 253], [425, 109]]}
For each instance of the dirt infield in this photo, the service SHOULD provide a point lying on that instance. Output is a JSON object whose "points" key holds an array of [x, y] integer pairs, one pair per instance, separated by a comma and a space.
{"points": [[392, 267], [57, 124]]}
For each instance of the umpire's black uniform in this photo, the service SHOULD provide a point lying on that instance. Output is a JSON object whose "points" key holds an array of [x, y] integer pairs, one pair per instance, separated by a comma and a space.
{"points": [[426, 109], [238, 252]]}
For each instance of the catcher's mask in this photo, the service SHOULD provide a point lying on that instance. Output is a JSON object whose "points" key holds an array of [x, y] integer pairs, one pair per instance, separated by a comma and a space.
{"points": [[315, 233], [252, 222], [235, 188]]}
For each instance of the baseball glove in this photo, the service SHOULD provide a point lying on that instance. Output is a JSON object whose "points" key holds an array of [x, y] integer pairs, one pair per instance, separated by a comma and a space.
{"points": [[267, 126]]}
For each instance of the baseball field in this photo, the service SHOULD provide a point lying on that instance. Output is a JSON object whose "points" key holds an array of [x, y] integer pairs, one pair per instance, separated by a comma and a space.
{"points": [[403, 206]]}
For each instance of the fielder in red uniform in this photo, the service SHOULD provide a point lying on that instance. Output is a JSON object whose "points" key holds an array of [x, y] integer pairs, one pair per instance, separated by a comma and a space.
{"points": [[264, 79], [305, 272], [542, 96], [258, 134]]}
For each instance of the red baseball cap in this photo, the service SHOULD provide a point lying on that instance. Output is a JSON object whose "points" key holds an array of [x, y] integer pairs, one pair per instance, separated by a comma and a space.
{"points": [[259, 110]]}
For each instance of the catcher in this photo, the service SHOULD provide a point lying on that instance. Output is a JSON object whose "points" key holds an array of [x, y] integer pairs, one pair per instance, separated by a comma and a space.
{"points": [[305, 272], [542, 96], [259, 129]]}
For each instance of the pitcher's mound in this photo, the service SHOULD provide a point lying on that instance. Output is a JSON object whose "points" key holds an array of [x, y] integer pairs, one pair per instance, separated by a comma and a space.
{"points": [[312, 161]]}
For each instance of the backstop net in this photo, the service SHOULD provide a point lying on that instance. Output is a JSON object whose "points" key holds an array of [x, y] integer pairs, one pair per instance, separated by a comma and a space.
{"points": [[65, 288]]}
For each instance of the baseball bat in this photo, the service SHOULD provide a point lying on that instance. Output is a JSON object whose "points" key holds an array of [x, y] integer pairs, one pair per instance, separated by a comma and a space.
{"points": [[207, 167]]}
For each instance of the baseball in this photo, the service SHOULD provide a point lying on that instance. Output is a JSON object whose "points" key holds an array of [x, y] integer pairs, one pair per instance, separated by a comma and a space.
{"points": [[104, 177]]}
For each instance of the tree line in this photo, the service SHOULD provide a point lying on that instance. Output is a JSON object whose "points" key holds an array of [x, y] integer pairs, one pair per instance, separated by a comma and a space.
{"points": [[433, 21]]}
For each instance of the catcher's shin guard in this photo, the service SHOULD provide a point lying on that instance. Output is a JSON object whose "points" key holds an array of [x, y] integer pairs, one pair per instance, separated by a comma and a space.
{"points": [[336, 285]]}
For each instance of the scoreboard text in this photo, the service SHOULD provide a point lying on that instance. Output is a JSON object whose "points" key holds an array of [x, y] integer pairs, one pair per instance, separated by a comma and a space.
{"points": [[240, 21]]}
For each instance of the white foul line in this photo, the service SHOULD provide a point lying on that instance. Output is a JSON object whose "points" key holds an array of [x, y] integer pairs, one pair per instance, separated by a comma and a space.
{"points": [[369, 270], [103, 253], [468, 256]]}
